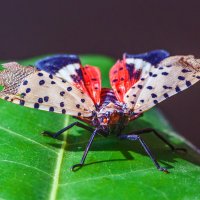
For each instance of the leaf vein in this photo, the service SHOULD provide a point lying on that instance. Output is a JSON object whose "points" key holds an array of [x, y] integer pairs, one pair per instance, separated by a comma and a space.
{"points": [[25, 138], [25, 165]]}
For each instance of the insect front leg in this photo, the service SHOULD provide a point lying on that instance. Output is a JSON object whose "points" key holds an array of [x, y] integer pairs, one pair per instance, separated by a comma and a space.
{"points": [[146, 148], [151, 130], [55, 135], [79, 165]]}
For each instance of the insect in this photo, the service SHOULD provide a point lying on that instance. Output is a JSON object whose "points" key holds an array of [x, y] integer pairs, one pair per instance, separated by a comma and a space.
{"points": [[61, 84]]}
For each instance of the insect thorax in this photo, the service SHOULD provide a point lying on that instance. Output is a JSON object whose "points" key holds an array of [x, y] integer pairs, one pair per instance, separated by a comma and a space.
{"points": [[110, 112]]}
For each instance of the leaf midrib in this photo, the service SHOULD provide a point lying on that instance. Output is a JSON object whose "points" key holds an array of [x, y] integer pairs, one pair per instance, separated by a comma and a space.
{"points": [[55, 184]]}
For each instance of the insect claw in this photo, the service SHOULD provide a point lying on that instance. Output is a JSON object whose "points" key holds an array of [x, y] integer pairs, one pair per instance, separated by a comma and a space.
{"points": [[76, 167], [164, 170], [46, 133]]}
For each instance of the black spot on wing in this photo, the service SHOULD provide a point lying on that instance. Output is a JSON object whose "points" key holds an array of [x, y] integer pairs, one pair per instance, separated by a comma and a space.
{"points": [[63, 111], [167, 87], [177, 89], [40, 100], [153, 95], [188, 83], [185, 70], [21, 102], [40, 74], [155, 102], [46, 98], [51, 109], [165, 95], [62, 93], [181, 78], [36, 105], [140, 86], [50, 76], [69, 89], [25, 82], [79, 114], [149, 87], [41, 82], [28, 90], [115, 80], [23, 95], [62, 104], [165, 73]]}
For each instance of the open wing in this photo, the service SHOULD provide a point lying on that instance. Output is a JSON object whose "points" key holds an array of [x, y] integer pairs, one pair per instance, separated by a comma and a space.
{"points": [[37, 89], [69, 68], [125, 73], [161, 81]]}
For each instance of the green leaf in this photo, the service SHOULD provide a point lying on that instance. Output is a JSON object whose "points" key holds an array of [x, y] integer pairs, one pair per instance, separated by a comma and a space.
{"points": [[36, 167]]}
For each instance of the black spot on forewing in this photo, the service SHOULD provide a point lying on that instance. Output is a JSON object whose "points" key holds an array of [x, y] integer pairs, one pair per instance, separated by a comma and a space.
{"points": [[62, 104], [21, 102], [40, 100], [62, 93], [69, 89], [165, 73], [51, 109], [28, 90], [41, 82], [25, 82], [181, 78], [177, 89], [153, 95], [149, 87], [46, 98], [36, 105], [188, 83]]}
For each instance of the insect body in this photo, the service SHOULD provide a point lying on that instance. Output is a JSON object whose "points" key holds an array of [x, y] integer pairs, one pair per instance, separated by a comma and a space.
{"points": [[61, 84]]}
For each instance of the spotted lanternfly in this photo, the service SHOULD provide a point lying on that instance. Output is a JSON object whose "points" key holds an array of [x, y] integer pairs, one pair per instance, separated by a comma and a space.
{"points": [[61, 84]]}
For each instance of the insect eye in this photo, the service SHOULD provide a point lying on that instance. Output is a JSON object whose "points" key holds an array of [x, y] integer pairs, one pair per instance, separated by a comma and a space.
{"points": [[105, 120]]}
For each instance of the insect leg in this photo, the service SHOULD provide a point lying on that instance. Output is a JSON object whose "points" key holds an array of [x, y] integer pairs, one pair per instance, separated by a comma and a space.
{"points": [[148, 130], [79, 165], [146, 148], [54, 135]]}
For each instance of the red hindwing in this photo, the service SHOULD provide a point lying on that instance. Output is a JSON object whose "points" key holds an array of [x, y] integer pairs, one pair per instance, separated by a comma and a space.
{"points": [[92, 81], [122, 79]]}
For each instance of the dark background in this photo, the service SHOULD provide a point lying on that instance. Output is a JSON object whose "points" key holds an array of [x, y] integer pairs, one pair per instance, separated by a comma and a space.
{"points": [[31, 28]]}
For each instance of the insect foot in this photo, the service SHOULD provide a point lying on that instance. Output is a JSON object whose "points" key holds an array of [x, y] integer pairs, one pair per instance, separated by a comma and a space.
{"points": [[164, 170], [46, 133], [76, 167]]}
